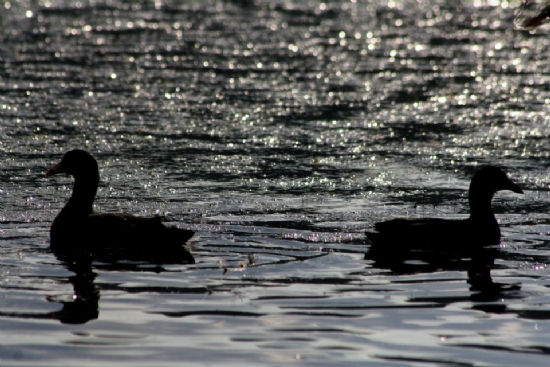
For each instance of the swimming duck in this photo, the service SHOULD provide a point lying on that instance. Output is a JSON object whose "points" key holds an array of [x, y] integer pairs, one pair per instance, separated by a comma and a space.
{"points": [[481, 228], [528, 17], [78, 228]]}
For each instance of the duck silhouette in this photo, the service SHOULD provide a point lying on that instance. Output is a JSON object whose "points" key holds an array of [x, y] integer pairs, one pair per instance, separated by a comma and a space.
{"points": [[480, 229], [78, 231]]}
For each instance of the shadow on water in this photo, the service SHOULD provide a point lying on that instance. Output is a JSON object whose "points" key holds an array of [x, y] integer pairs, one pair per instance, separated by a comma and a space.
{"points": [[84, 304], [477, 264]]}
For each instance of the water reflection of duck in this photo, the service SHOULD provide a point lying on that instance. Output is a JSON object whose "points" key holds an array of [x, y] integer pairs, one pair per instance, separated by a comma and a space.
{"points": [[76, 229], [476, 263], [481, 228], [84, 303]]}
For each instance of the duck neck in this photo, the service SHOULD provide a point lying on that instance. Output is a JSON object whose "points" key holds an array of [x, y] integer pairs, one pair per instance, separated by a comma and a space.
{"points": [[82, 200], [480, 206]]}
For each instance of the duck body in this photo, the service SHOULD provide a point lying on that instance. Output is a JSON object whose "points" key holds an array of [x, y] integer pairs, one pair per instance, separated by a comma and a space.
{"points": [[433, 234], [77, 229], [479, 229]]}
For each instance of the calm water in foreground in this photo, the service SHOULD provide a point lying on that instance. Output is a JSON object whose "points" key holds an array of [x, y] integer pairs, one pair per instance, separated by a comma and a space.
{"points": [[279, 131]]}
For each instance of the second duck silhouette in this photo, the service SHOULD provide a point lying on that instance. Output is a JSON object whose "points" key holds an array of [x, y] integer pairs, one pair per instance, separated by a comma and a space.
{"points": [[77, 229], [481, 228]]}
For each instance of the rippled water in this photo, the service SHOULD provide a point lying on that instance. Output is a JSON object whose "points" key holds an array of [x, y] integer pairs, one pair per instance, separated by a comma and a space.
{"points": [[279, 131]]}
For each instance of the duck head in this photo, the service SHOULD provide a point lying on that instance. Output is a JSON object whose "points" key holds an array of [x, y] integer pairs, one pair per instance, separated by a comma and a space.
{"points": [[76, 163], [489, 180]]}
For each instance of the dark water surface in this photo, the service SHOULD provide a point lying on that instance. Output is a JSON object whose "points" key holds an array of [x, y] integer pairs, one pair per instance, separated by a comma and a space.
{"points": [[279, 131]]}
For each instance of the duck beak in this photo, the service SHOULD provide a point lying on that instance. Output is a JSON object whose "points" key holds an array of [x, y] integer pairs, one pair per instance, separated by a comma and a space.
{"points": [[513, 187], [55, 170]]}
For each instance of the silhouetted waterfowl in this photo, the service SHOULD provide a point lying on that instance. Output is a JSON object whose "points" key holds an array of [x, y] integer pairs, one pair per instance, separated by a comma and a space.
{"points": [[529, 17], [76, 228], [481, 228]]}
